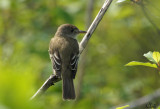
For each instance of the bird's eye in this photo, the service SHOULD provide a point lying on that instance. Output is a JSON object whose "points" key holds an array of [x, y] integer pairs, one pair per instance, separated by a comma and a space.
{"points": [[72, 30]]}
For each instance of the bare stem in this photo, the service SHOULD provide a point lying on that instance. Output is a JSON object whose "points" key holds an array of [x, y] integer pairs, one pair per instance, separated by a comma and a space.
{"points": [[82, 61], [94, 25], [149, 19], [49, 82]]}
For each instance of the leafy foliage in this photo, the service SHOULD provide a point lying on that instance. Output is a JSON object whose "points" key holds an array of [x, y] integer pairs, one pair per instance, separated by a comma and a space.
{"points": [[153, 57]]}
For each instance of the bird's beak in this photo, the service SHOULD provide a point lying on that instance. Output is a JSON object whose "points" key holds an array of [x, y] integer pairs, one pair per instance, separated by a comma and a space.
{"points": [[80, 31]]}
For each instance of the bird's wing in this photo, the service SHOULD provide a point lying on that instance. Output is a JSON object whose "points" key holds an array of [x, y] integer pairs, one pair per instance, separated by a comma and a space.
{"points": [[56, 62], [73, 64]]}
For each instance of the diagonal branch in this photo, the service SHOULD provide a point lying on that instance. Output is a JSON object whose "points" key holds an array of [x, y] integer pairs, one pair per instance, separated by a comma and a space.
{"points": [[53, 78], [149, 18], [49, 82], [146, 100], [142, 6], [94, 24], [81, 66]]}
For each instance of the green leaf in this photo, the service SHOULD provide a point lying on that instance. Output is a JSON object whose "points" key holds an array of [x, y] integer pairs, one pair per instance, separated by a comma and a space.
{"points": [[122, 107], [156, 56], [149, 56], [135, 63]]}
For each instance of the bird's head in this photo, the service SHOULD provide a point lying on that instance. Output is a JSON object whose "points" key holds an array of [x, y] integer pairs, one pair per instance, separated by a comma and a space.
{"points": [[68, 30]]}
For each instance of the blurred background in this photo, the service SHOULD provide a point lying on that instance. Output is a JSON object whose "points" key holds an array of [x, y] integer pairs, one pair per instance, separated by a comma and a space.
{"points": [[126, 32]]}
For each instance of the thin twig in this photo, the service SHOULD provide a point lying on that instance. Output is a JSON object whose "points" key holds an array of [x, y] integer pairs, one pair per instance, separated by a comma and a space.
{"points": [[53, 78], [141, 4], [149, 19]]}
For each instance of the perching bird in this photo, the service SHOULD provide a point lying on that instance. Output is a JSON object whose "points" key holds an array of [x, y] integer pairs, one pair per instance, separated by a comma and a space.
{"points": [[64, 52]]}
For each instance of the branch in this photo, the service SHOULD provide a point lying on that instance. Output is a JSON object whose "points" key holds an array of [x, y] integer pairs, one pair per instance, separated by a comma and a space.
{"points": [[82, 61], [53, 78], [141, 4], [49, 82], [146, 100], [149, 19], [94, 24]]}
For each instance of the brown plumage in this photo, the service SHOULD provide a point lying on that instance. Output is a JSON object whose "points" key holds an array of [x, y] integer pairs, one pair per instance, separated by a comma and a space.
{"points": [[64, 51]]}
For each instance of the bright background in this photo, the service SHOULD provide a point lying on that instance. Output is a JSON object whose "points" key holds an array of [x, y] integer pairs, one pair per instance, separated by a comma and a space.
{"points": [[123, 35]]}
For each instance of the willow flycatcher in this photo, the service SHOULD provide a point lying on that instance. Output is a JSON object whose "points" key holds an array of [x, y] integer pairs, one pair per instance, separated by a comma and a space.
{"points": [[64, 54]]}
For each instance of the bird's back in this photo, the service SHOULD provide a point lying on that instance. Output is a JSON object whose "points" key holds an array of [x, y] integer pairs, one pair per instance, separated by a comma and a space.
{"points": [[66, 46]]}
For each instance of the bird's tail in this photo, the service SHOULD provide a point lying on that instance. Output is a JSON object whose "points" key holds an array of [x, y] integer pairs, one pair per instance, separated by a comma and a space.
{"points": [[68, 88]]}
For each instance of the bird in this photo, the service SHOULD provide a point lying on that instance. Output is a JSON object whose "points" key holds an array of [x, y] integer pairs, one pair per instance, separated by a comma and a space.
{"points": [[64, 55]]}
